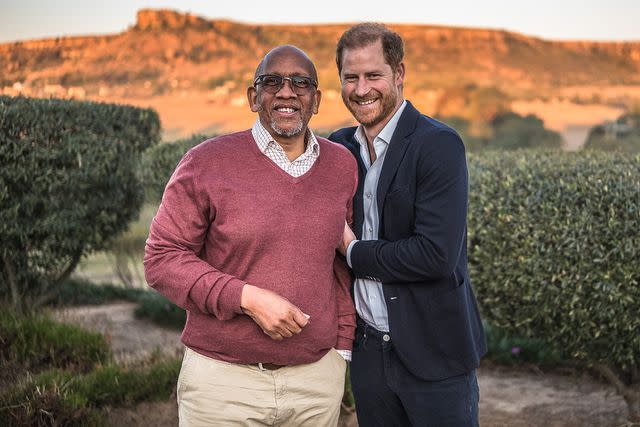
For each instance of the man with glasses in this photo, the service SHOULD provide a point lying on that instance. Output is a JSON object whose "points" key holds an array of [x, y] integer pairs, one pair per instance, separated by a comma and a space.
{"points": [[419, 337], [245, 240]]}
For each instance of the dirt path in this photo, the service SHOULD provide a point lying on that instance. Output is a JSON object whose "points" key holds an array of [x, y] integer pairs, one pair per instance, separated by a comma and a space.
{"points": [[508, 397]]}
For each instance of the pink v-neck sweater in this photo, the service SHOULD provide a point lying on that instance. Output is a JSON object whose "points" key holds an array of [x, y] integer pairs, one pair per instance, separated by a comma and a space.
{"points": [[230, 216]]}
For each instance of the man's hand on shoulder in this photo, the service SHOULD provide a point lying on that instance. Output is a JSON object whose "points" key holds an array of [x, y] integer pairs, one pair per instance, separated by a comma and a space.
{"points": [[277, 317]]}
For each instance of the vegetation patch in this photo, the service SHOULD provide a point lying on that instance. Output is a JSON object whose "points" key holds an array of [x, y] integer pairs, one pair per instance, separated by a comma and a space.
{"points": [[160, 310], [64, 376], [36, 343], [74, 292], [69, 185], [553, 254]]}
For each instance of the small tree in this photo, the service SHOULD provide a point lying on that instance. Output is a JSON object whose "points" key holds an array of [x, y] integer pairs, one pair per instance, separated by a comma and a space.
{"points": [[622, 134], [513, 131], [506, 131], [159, 162], [68, 184], [554, 244]]}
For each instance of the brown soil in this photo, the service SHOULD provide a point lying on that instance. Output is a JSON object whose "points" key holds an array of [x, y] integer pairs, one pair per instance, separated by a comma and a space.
{"points": [[509, 397]]}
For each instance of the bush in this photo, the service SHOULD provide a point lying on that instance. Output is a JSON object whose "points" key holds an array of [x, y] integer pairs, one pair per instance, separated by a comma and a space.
{"points": [[36, 343], [161, 311], [513, 350], [68, 185], [160, 161], [513, 131], [114, 385], [620, 135], [506, 131], [83, 292], [553, 253]]}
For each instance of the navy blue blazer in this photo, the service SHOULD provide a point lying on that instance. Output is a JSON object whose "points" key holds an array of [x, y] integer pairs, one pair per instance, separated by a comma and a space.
{"points": [[421, 254]]}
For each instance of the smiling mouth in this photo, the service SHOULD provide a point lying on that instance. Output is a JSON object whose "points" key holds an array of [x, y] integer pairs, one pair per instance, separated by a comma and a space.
{"points": [[366, 102], [286, 110]]}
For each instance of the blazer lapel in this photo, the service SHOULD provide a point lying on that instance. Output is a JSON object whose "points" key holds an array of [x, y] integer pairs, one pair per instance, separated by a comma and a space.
{"points": [[354, 147], [395, 152], [358, 207]]}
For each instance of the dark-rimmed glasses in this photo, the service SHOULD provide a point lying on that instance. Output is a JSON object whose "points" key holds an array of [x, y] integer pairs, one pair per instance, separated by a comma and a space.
{"points": [[272, 83]]}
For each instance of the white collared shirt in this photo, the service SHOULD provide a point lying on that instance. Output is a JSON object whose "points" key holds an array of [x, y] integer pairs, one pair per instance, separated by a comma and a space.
{"points": [[369, 295], [270, 148]]}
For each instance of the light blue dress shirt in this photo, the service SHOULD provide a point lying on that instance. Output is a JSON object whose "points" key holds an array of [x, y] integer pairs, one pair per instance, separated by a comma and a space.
{"points": [[369, 295]]}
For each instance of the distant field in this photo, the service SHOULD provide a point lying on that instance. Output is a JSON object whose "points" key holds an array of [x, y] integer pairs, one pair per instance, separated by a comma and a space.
{"points": [[195, 113], [571, 119], [100, 266]]}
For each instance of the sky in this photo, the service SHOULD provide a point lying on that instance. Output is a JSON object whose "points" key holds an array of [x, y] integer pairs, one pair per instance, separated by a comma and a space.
{"points": [[549, 19]]}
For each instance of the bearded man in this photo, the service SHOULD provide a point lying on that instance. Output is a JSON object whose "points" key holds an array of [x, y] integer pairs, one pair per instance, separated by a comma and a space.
{"points": [[419, 337]]}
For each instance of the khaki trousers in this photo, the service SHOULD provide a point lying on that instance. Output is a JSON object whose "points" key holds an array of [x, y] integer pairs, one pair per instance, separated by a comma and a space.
{"points": [[216, 393]]}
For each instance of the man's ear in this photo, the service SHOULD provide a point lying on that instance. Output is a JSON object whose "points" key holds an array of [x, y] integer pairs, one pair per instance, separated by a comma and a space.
{"points": [[316, 103], [399, 74], [252, 97]]}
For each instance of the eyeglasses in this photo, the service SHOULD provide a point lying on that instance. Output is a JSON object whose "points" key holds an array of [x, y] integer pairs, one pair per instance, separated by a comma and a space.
{"points": [[272, 83]]}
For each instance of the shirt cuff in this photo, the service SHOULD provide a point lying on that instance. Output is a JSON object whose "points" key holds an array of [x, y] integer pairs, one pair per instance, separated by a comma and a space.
{"points": [[348, 254], [346, 354]]}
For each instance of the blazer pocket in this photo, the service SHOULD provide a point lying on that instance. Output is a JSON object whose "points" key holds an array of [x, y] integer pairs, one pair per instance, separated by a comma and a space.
{"points": [[397, 191], [450, 311]]}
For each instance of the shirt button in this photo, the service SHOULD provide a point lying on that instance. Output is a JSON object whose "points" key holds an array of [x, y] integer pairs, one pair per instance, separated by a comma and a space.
{"points": [[369, 195], [370, 230], [386, 338]]}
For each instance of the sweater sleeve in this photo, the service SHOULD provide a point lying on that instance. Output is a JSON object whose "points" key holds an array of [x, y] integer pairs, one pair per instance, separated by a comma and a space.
{"points": [[346, 307], [178, 231]]}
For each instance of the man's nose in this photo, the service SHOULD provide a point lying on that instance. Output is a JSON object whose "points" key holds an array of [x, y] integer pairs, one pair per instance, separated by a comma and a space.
{"points": [[286, 91], [362, 88]]}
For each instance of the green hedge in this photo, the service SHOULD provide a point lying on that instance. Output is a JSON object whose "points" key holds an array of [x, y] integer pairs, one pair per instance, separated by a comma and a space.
{"points": [[554, 250], [160, 161], [68, 184]]}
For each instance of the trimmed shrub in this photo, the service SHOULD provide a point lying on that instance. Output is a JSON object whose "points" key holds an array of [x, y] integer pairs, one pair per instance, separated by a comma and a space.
{"points": [[160, 161], [553, 252], [68, 184]]}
